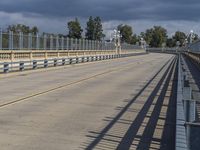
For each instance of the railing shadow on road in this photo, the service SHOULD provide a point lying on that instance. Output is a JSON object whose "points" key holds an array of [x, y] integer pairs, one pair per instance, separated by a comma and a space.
{"points": [[122, 133]]}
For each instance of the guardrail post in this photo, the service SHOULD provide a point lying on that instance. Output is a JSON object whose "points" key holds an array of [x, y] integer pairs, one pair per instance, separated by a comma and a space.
{"points": [[45, 63], [77, 60], [6, 67], [63, 61], [83, 59], [70, 61], [55, 62], [34, 64], [21, 66]]}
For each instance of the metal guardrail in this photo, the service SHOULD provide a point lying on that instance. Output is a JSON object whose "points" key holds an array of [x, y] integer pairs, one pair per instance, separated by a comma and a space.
{"points": [[186, 110], [194, 47], [7, 67], [163, 50], [181, 141]]}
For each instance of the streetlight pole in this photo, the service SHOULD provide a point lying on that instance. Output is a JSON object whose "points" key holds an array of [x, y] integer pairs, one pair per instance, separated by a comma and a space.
{"points": [[143, 44], [117, 40]]}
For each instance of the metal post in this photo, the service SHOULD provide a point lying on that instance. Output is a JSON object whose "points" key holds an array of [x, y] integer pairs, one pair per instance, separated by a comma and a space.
{"points": [[67, 43], [1, 39], [51, 42], [45, 42], [62, 43], [70, 44], [83, 44], [80, 44], [37, 42], [20, 40], [90, 44], [57, 42], [10, 40], [30, 41], [21, 66], [34, 64], [6, 67], [86, 44], [76, 44]]}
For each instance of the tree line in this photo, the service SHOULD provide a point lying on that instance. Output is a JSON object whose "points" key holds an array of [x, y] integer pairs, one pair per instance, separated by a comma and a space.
{"points": [[155, 37]]}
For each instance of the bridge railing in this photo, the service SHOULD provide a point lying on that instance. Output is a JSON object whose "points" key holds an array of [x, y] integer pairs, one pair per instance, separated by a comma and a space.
{"points": [[21, 41], [194, 47], [163, 50], [187, 124]]}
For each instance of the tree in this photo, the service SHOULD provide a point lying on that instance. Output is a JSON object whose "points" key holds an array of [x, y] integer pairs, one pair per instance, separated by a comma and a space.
{"points": [[126, 32], [170, 42], [156, 36], [90, 29], [179, 36], [34, 30], [196, 37], [134, 39], [75, 30], [94, 29], [148, 35], [22, 28], [98, 29]]}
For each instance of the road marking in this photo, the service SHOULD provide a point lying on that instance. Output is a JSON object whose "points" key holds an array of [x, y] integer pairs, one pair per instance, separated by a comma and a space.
{"points": [[66, 85]]}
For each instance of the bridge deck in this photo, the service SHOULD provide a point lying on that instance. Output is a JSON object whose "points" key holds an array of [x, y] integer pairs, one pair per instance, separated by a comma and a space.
{"points": [[125, 103]]}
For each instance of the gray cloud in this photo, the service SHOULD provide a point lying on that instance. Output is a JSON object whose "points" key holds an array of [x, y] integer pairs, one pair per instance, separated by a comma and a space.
{"points": [[107, 9], [52, 15]]}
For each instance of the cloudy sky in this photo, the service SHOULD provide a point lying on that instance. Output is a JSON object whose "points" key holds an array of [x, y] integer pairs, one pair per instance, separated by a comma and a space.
{"points": [[53, 15]]}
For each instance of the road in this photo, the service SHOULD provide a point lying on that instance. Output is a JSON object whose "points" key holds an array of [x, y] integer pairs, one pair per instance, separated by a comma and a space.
{"points": [[124, 103]]}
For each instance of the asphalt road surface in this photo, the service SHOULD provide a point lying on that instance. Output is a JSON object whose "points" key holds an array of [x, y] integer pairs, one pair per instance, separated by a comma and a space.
{"points": [[126, 103]]}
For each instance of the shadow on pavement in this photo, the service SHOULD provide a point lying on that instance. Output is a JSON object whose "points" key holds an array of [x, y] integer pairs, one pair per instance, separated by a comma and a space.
{"points": [[146, 122]]}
